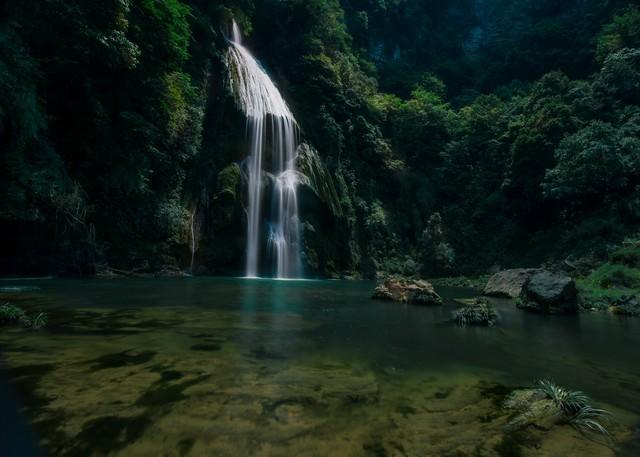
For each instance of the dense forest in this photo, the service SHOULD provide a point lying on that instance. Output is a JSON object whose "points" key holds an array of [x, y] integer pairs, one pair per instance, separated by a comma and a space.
{"points": [[453, 135]]}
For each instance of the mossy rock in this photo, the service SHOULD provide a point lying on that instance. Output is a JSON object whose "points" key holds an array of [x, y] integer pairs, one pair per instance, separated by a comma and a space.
{"points": [[411, 291]]}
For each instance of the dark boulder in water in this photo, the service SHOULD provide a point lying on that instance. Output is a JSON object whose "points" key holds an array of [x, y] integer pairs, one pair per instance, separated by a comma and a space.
{"points": [[415, 292], [550, 293]]}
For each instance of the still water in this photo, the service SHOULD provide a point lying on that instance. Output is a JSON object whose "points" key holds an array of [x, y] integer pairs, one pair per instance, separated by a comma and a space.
{"points": [[235, 367]]}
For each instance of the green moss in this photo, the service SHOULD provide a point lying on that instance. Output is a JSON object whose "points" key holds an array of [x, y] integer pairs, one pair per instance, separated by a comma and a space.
{"points": [[179, 96], [228, 180]]}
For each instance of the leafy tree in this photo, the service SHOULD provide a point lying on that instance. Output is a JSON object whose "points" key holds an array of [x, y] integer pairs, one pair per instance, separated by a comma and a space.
{"points": [[622, 32], [598, 164]]}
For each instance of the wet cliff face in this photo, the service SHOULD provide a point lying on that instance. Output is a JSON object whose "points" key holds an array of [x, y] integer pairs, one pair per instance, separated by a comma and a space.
{"points": [[497, 21], [458, 40]]}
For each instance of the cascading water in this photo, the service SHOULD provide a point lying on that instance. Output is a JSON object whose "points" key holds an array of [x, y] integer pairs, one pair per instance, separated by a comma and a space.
{"points": [[268, 118]]}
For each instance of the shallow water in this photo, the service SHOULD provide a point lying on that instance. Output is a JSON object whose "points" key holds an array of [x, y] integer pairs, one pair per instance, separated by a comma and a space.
{"points": [[217, 367]]}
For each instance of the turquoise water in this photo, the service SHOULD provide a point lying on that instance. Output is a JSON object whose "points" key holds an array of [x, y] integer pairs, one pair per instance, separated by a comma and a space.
{"points": [[237, 341]]}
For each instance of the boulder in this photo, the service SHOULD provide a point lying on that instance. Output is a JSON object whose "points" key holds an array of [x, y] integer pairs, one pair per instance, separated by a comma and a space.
{"points": [[508, 283], [411, 291], [550, 293]]}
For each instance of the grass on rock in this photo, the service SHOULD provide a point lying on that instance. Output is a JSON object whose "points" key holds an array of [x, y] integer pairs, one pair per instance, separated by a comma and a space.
{"points": [[577, 408]]}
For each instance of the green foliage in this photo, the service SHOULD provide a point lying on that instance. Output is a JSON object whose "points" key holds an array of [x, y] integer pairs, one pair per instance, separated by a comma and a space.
{"points": [[614, 284], [619, 80], [170, 21], [627, 255], [11, 314], [616, 276], [437, 255], [501, 120], [576, 407], [601, 161], [180, 96], [622, 32], [229, 179]]}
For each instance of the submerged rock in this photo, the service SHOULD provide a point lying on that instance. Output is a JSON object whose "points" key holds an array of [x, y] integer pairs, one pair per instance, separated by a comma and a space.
{"points": [[550, 293], [509, 283], [411, 291], [531, 407]]}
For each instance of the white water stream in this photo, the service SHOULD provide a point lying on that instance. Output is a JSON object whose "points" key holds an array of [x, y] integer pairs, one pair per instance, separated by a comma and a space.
{"points": [[273, 130]]}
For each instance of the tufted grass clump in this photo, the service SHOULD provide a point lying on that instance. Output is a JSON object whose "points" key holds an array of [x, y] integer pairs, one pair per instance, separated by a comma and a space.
{"points": [[12, 315], [577, 408], [479, 313]]}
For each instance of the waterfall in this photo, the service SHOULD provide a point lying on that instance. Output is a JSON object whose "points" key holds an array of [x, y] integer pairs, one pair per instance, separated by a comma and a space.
{"points": [[272, 129]]}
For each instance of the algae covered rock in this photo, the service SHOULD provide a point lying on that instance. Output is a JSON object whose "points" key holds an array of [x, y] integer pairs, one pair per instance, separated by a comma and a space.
{"points": [[411, 291], [509, 283], [550, 293], [531, 407]]}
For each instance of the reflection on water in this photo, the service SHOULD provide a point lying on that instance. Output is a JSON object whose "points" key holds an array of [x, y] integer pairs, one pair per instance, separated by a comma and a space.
{"points": [[259, 367]]}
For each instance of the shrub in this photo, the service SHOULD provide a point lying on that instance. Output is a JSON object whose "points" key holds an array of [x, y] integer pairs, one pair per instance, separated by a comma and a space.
{"points": [[627, 255]]}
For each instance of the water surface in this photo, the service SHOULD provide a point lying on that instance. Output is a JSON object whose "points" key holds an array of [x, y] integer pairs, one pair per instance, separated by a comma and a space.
{"points": [[220, 366]]}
